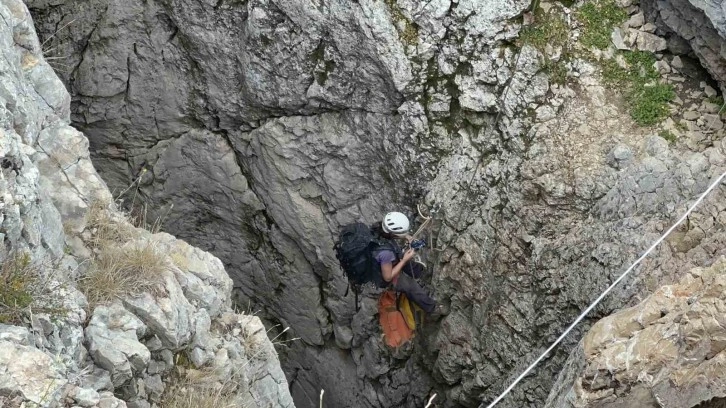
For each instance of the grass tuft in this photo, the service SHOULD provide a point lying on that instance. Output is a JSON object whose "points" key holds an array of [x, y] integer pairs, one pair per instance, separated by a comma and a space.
{"points": [[598, 19], [647, 98], [123, 271], [198, 389], [716, 100], [105, 229], [558, 71], [650, 103], [548, 29], [18, 279], [668, 136]]}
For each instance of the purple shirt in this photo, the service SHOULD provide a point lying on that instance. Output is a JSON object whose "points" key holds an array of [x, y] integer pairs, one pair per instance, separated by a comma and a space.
{"points": [[385, 256]]}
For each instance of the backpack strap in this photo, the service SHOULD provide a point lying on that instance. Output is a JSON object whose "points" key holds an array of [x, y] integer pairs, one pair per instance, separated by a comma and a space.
{"points": [[382, 244]]}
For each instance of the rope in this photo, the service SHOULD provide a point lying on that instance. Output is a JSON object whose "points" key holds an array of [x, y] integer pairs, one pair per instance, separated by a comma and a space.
{"points": [[610, 288]]}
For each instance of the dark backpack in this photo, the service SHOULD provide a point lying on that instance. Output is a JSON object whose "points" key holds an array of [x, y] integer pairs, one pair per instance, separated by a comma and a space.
{"points": [[354, 250]]}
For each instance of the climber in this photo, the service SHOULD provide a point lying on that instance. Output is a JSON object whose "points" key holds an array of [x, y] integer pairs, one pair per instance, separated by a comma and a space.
{"points": [[395, 225]]}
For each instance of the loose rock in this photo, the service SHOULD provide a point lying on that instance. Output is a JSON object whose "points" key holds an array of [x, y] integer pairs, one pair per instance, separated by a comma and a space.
{"points": [[650, 42]]}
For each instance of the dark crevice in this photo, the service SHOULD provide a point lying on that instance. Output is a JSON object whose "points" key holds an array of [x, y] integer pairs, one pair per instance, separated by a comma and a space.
{"points": [[712, 403]]}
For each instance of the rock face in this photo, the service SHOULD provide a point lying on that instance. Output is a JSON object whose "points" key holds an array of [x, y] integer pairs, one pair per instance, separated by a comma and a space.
{"points": [[667, 351], [115, 354], [265, 125], [702, 23]]}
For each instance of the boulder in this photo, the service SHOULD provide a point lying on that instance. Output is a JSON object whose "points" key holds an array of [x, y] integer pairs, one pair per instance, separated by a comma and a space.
{"points": [[29, 373], [650, 42], [113, 334]]}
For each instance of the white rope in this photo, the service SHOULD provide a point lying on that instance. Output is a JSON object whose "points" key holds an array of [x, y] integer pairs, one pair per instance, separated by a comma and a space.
{"points": [[600, 298]]}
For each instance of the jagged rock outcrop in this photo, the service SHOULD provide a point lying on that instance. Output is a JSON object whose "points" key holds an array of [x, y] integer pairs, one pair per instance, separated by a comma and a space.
{"points": [[264, 125], [701, 23], [56, 349], [667, 351]]}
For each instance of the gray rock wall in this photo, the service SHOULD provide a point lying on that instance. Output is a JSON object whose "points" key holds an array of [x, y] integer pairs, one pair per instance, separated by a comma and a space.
{"points": [[59, 350], [264, 125]]}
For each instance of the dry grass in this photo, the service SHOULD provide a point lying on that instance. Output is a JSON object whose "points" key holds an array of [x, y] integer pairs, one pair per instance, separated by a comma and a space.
{"points": [[118, 270], [105, 229], [121, 271], [198, 389]]}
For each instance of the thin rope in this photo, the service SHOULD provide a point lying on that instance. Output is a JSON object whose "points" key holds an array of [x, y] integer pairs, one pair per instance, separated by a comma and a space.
{"points": [[600, 298]]}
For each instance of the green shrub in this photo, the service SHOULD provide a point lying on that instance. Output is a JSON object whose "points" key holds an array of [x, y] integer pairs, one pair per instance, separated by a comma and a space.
{"points": [[649, 105]]}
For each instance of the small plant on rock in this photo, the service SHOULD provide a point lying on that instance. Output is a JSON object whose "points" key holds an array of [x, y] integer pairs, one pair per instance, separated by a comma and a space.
{"points": [[716, 100], [668, 135], [646, 96], [549, 33], [548, 28], [598, 19], [105, 229], [650, 103], [17, 278], [23, 289], [119, 268], [407, 30]]}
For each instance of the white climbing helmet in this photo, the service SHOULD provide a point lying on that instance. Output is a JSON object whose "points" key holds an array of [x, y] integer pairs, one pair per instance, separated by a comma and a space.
{"points": [[395, 223]]}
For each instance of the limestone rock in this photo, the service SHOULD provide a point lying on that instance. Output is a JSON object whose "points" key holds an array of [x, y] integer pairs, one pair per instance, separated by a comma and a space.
{"points": [[650, 42], [169, 316], [710, 92], [99, 380], [15, 334], [662, 67], [203, 279], [667, 349], [620, 156], [29, 372], [677, 63], [618, 40], [85, 397], [691, 115], [113, 335], [108, 400], [636, 20]]}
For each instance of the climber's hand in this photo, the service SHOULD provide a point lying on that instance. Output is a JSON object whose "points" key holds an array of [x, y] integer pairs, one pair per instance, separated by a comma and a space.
{"points": [[408, 255]]}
